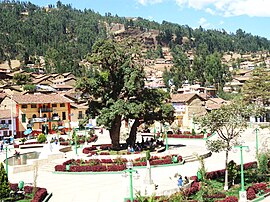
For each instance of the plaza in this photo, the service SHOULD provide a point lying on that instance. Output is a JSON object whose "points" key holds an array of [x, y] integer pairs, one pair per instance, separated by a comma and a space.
{"points": [[101, 187]]}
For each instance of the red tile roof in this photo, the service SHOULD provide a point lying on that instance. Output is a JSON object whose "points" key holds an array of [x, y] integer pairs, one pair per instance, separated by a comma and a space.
{"points": [[184, 97], [5, 114], [40, 99]]}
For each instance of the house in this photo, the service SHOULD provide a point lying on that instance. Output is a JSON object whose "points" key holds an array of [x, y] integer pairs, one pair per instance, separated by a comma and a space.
{"points": [[64, 81], [7, 122], [43, 80], [39, 111], [187, 106], [215, 103], [78, 108]]}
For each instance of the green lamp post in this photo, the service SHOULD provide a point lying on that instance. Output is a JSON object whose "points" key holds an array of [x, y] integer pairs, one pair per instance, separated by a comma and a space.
{"points": [[257, 141], [75, 139], [130, 171], [6, 161], [242, 192], [166, 136]]}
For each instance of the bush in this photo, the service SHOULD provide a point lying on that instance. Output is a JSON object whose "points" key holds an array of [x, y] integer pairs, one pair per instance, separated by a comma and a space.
{"points": [[251, 194], [4, 185], [41, 138], [230, 199]]}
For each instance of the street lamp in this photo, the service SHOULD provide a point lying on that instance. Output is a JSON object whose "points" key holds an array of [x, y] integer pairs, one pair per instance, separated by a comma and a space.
{"points": [[166, 136], [257, 141], [242, 192], [130, 170], [75, 139], [6, 161]]}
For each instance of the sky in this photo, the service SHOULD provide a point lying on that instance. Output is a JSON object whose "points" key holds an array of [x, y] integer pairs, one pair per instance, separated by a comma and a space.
{"points": [[252, 16]]}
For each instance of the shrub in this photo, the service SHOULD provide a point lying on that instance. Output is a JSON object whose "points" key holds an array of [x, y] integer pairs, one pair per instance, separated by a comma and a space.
{"points": [[41, 138], [251, 194], [40, 195], [4, 185], [230, 199]]}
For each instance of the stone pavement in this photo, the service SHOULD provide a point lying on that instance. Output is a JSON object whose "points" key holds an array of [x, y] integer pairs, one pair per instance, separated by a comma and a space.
{"points": [[100, 187]]}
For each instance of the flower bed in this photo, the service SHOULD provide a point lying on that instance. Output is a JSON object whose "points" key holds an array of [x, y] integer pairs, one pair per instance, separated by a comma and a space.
{"points": [[198, 136], [101, 165], [40, 194]]}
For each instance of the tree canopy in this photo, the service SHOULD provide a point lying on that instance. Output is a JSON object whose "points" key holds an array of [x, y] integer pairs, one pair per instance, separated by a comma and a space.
{"points": [[115, 84], [228, 122]]}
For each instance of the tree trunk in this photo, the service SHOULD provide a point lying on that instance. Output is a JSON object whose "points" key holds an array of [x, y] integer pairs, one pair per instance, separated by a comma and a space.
{"points": [[226, 187], [133, 133], [115, 133]]}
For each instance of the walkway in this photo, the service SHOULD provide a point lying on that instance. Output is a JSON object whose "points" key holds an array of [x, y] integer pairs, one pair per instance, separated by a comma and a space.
{"points": [[113, 187]]}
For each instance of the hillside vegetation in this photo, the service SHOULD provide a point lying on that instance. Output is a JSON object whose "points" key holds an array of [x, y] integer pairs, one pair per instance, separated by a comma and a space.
{"points": [[64, 36]]}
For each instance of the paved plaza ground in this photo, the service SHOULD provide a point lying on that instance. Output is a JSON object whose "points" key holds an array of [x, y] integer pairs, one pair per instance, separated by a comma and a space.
{"points": [[100, 187]]}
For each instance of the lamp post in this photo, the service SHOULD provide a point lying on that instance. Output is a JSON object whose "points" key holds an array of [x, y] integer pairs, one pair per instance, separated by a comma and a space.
{"points": [[130, 170], [75, 140], [242, 192], [257, 141], [6, 161], [166, 136]]}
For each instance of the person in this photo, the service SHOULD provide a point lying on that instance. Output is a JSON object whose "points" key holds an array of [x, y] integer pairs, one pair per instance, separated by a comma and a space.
{"points": [[180, 181], [1, 146], [16, 153], [186, 180]]}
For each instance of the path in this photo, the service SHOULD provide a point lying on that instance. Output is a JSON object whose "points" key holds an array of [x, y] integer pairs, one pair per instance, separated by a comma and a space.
{"points": [[113, 187]]}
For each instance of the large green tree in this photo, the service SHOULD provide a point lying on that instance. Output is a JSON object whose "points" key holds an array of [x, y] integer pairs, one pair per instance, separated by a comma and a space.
{"points": [[257, 89], [228, 122], [149, 106], [115, 77]]}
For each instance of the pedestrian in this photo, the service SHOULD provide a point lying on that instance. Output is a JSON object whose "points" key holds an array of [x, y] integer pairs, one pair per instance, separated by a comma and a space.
{"points": [[1, 146], [180, 181]]}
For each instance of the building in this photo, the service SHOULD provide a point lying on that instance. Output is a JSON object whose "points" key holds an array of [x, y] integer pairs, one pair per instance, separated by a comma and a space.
{"points": [[7, 123], [187, 106], [39, 112]]}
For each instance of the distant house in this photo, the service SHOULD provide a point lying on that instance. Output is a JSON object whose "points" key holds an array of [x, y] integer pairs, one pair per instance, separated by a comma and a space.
{"points": [[187, 106], [43, 80], [215, 103], [37, 111], [7, 122], [64, 81]]}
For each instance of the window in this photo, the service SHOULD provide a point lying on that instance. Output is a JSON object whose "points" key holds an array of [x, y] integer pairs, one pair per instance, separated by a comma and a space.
{"points": [[62, 105], [34, 116], [54, 105], [24, 106], [3, 121], [5, 133], [64, 116], [9, 121], [23, 118], [44, 115], [80, 115], [33, 106]]}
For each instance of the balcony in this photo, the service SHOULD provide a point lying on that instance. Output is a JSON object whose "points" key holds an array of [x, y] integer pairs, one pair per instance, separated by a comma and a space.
{"points": [[54, 118], [4, 126], [38, 120], [46, 109]]}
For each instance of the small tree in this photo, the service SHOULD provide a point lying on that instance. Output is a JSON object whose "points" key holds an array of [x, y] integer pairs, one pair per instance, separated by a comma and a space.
{"points": [[4, 184], [41, 138], [232, 171], [228, 122]]}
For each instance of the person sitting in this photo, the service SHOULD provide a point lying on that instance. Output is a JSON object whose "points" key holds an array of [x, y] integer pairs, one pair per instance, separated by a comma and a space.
{"points": [[180, 181], [16, 153], [186, 180]]}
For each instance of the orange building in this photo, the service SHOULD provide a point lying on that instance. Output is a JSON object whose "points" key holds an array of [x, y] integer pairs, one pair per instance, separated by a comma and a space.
{"points": [[39, 112]]}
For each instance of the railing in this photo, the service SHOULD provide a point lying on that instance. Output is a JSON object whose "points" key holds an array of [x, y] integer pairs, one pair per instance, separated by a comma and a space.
{"points": [[4, 126], [38, 120], [46, 109]]}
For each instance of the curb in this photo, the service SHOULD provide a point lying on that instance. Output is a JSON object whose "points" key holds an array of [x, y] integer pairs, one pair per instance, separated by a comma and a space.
{"points": [[47, 198]]}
